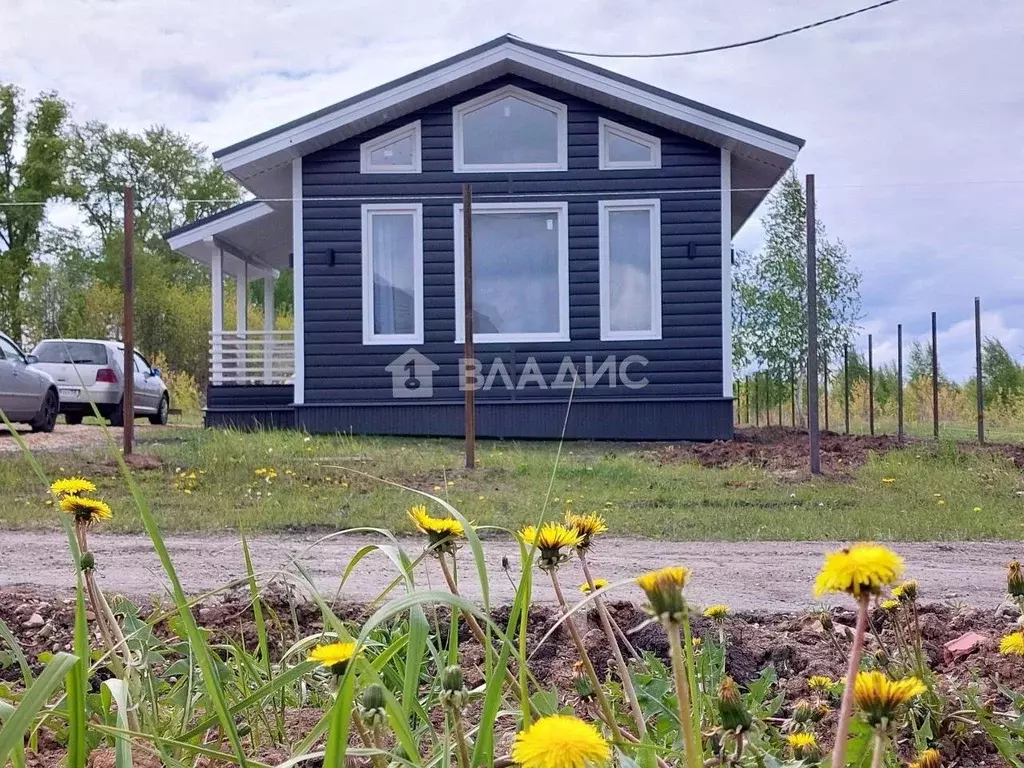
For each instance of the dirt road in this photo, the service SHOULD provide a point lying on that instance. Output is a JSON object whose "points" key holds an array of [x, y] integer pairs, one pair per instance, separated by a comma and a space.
{"points": [[749, 576]]}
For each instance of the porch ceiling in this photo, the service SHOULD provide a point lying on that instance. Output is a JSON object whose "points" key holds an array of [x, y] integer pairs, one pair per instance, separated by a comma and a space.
{"points": [[254, 234]]}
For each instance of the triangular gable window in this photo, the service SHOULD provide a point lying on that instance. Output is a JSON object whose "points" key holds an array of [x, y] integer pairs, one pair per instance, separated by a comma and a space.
{"points": [[623, 147], [395, 152]]}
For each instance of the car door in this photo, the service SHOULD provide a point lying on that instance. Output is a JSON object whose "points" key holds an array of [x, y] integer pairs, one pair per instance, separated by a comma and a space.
{"points": [[19, 384], [145, 401]]}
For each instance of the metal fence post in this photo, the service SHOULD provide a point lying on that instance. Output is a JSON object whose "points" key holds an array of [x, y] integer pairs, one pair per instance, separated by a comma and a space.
{"points": [[778, 383], [746, 399], [468, 330], [899, 383], [812, 331], [871, 387], [792, 393], [757, 404], [978, 370], [824, 380], [935, 376], [846, 387]]}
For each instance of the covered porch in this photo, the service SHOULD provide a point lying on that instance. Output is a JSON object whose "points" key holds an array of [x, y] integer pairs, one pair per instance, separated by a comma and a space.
{"points": [[248, 243]]}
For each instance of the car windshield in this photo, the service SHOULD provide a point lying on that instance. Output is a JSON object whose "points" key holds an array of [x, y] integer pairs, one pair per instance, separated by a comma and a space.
{"points": [[76, 352]]}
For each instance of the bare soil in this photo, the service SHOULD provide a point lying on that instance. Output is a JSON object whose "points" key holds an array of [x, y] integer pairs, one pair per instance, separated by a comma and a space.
{"points": [[784, 450]]}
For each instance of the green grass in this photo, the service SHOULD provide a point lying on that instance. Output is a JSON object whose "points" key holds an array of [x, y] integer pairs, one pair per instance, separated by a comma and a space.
{"points": [[209, 480]]}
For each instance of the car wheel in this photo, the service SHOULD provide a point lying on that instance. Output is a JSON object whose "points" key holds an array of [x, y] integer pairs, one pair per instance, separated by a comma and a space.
{"points": [[47, 416], [74, 418], [117, 415], [162, 411]]}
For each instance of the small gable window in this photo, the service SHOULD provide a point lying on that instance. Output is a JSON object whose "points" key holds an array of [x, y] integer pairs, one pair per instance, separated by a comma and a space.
{"points": [[623, 148], [510, 130], [395, 152]]}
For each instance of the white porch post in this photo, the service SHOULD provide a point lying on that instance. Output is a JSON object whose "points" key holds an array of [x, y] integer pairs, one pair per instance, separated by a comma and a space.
{"points": [[268, 329], [299, 377], [217, 326]]}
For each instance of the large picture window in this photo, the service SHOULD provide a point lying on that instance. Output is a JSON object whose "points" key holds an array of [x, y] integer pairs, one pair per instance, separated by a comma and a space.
{"points": [[510, 130], [629, 234], [392, 274], [520, 272]]}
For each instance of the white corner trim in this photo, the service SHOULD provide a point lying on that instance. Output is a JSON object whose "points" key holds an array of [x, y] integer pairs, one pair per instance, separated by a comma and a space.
{"points": [[298, 283], [726, 206], [285, 141], [653, 207], [368, 211], [561, 210], [367, 148], [560, 111], [223, 224], [606, 128]]}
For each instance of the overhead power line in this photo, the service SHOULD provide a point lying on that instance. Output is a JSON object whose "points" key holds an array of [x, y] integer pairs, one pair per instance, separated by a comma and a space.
{"points": [[730, 46]]}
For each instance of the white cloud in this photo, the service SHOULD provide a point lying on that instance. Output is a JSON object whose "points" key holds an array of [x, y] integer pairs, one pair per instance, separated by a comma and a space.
{"points": [[900, 107]]}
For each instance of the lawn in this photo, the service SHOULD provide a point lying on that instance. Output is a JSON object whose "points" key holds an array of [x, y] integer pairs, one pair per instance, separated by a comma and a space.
{"points": [[209, 480]]}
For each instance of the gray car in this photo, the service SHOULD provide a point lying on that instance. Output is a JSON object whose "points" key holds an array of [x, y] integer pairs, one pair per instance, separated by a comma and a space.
{"points": [[91, 371], [27, 394]]}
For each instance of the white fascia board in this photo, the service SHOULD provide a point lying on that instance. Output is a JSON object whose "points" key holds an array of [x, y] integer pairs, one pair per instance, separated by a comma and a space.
{"points": [[287, 140], [218, 226]]}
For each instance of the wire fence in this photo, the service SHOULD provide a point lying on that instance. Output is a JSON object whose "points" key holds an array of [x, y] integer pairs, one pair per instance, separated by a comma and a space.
{"points": [[858, 397]]}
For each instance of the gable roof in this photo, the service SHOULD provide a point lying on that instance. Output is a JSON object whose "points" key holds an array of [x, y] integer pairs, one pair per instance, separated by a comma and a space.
{"points": [[760, 154]]}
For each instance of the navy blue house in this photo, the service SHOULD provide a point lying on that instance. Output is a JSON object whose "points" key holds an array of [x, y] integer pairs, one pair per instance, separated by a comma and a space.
{"points": [[602, 215]]}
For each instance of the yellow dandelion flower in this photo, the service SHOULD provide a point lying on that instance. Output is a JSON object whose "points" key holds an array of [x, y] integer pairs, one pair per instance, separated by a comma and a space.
{"points": [[72, 486], [560, 741], [1012, 644], [85, 510], [819, 683], [664, 590], [442, 531], [881, 698], [890, 606], [551, 539], [587, 526], [716, 612], [928, 758], [860, 569], [906, 592], [888, 480], [334, 656], [941, 502], [598, 584], [803, 745], [977, 509]]}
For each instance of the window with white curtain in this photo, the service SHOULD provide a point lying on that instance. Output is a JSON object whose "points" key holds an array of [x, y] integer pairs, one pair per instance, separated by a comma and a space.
{"points": [[392, 274], [623, 148], [520, 272], [629, 251], [510, 129]]}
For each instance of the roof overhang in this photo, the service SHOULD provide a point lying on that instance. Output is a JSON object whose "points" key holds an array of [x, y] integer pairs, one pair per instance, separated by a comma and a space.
{"points": [[760, 155], [253, 236]]}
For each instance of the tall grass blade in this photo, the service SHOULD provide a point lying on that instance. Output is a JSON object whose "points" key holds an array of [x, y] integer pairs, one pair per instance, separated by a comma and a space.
{"points": [[18, 756], [19, 656], [12, 735], [118, 690]]}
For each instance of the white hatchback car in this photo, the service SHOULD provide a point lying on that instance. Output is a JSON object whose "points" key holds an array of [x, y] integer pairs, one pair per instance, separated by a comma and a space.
{"points": [[92, 371]]}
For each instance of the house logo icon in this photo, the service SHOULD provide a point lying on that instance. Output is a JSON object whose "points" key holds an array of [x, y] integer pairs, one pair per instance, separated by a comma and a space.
{"points": [[412, 374]]}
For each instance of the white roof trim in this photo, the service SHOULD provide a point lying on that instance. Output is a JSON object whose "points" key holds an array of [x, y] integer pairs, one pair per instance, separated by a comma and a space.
{"points": [[506, 52], [219, 225]]}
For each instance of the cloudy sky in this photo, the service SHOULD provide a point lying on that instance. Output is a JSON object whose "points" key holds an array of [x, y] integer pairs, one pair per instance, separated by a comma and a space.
{"points": [[913, 114]]}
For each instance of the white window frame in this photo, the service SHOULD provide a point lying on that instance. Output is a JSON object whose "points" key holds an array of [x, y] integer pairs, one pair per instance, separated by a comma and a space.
{"points": [[561, 210], [416, 211], [461, 110], [653, 207], [605, 128], [413, 131]]}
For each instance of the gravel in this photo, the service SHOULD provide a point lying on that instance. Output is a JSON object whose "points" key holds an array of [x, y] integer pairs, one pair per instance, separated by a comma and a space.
{"points": [[749, 576]]}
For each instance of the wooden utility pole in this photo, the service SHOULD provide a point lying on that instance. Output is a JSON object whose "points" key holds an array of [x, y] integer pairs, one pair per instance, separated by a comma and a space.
{"points": [[128, 403], [935, 376], [812, 331], [846, 388], [978, 372], [467, 347]]}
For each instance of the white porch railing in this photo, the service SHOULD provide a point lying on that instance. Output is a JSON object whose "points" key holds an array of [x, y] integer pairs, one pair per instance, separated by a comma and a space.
{"points": [[252, 357]]}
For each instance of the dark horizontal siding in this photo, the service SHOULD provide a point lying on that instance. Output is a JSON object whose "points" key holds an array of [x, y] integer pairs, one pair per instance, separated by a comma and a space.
{"points": [[250, 407], [685, 363]]}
